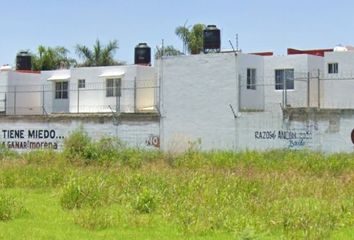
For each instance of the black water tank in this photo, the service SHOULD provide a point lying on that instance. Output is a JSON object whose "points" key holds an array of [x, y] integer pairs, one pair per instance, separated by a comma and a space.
{"points": [[211, 39], [23, 61], [142, 54]]}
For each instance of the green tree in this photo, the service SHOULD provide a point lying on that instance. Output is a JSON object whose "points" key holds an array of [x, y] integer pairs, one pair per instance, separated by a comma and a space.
{"points": [[99, 55], [192, 38], [167, 51], [48, 58]]}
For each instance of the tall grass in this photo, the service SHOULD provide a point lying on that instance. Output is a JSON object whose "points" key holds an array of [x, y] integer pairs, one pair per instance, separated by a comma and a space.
{"points": [[107, 151], [10, 207], [249, 195], [81, 191]]}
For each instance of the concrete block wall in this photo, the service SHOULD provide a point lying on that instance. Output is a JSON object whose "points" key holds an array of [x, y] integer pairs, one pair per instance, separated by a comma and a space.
{"points": [[38, 132], [23, 93], [337, 89], [92, 98], [251, 99], [146, 89], [296, 97], [197, 92]]}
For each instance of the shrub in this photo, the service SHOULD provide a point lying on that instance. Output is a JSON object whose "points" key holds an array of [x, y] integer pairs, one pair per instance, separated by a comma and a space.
{"points": [[43, 157], [248, 234], [104, 150], [94, 219], [76, 143], [80, 147], [10, 208], [110, 144], [145, 201], [8, 178], [7, 153], [84, 191]]}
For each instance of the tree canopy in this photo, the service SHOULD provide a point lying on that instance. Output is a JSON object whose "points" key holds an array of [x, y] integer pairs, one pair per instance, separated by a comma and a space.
{"points": [[98, 56], [167, 51], [192, 37], [48, 58]]}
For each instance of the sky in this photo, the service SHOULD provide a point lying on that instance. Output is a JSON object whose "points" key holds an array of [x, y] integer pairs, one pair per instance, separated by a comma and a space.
{"points": [[272, 25]]}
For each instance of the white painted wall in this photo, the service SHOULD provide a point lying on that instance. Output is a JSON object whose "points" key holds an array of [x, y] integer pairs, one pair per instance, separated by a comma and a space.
{"points": [[196, 93], [93, 97], [23, 95], [326, 131], [296, 97], [52, 105], [146, 89], [197, 90], [337, 89], [136, 133], [3, 90], [315, 69], [251, 99]]}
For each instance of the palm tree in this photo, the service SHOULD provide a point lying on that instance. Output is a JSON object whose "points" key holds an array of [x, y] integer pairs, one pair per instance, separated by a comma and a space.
{"points": [[192, 38], [49, 58], [100, 55], [167, 51]]}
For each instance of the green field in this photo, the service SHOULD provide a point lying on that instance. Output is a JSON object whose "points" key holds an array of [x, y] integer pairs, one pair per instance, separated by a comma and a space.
{"points": [[104, 190]]}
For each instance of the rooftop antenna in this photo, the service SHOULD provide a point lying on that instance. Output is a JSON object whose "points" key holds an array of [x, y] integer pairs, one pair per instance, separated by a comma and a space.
{"points": [[237, 49], [232, 46], [163, 47]]}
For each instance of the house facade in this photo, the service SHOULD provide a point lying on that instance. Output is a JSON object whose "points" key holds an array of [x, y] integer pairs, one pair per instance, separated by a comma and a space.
{"points": [[41, 109], [117, 89], [227, 100], [237, 101]]}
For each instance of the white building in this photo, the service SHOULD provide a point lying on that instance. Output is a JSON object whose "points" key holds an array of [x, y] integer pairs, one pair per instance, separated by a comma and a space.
{"points": [[227, 100], [338, 80], [246, 101], [20, 93], [128, 89]]}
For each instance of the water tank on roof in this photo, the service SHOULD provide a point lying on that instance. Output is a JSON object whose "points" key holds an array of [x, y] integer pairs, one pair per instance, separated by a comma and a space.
{"points": [[211, 39], [6, 67], [142, 54], [340, 48], [23, 61]]}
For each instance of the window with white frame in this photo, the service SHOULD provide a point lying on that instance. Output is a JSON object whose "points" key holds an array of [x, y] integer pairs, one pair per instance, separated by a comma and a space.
{"points": [[284, 76], [81, 83], [61, 90], [251, 78], [113, 87], [332, 68]]}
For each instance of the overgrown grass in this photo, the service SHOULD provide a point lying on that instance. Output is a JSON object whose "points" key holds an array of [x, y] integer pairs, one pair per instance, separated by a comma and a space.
{"points": [[95, 218], [10, 207], [105, 186], [81, 191]]}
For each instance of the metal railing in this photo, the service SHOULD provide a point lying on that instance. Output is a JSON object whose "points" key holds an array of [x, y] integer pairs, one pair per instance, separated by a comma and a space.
{"points": [[140, 96], [310, 90]]}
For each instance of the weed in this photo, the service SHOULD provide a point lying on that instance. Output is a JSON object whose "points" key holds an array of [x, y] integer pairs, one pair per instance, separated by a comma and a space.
{"points": [[308, 218], [43, 157], [248, 234], [94, 218], [10, 208], [76, 143], [145, 201], [8, 178], [6, 153], [288, 194], [81, 191]]}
